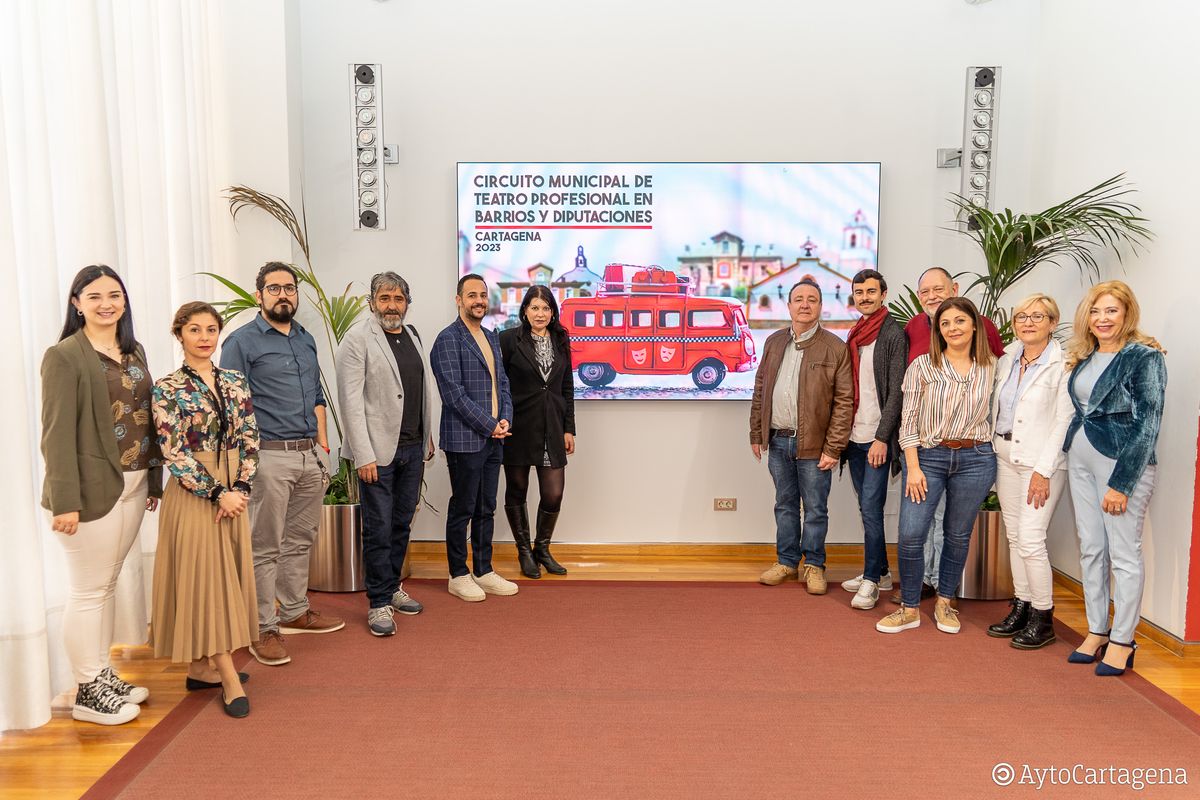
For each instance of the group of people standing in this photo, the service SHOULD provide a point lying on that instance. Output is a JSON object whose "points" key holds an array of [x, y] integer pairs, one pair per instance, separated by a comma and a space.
{"points": [[245, 444], [945, 405], [940, 402]]}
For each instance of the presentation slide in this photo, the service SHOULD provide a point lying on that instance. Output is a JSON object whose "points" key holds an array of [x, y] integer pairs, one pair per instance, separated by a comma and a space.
{"points": [[668, 276]]}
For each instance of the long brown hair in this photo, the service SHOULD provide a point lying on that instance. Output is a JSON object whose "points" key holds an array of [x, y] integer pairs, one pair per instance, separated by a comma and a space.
{"points": [[1083, 342], [981, 352]]}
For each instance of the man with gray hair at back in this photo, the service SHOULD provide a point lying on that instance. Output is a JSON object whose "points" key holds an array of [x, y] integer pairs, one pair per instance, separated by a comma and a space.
{"points": [[383, 389]]}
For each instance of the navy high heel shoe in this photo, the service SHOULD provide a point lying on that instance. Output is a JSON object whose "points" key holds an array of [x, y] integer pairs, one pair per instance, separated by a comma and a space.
{"points": [[1077, 657], [1105, 670]]}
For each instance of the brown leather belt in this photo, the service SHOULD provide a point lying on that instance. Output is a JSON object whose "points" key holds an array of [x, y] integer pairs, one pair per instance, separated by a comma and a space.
{"points": [[959, 444], [787, 433], [287, 444]]}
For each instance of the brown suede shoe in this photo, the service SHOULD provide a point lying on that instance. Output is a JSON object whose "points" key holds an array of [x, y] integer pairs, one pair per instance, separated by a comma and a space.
{"points": [[312, 622], [269, 649], [814, 580], [777, 574]]}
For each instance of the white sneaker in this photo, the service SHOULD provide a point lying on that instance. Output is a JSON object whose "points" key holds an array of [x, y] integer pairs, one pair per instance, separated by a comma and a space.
{"points": [[464, 588], [885, 583], [866, 596], [494, 584]]}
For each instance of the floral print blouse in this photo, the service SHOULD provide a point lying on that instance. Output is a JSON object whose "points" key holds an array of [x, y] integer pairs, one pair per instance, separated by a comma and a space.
{"points": [[187, 419], [129, 398]]}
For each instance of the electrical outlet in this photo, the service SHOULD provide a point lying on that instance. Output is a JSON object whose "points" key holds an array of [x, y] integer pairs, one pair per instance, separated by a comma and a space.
{"points": [[724, 504]]}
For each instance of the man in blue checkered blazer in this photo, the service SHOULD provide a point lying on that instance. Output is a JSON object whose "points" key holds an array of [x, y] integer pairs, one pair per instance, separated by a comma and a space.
{"points": [[476, 414]]}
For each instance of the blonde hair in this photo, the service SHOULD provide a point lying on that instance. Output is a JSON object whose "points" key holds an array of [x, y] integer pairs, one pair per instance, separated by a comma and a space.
{"points": [[1083, 342], [1037, 297]]}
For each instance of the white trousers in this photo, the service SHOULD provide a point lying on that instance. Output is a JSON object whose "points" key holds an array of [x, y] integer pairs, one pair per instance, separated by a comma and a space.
{"points": [[1026, 526], [95, 555]]}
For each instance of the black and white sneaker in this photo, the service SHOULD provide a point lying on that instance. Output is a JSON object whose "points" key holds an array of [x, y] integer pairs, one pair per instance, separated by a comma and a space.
{"points": [[124, 689], [99, 703]]}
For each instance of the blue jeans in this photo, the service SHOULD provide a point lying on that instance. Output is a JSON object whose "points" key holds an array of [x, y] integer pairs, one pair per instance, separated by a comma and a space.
{"points": [[474, 480], [870, 484], [965, 477], [798, 480], [388, 506]]}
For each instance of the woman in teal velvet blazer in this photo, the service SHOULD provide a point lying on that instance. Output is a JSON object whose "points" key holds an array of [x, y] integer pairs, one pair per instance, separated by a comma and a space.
{"points": [[1117, 386]]}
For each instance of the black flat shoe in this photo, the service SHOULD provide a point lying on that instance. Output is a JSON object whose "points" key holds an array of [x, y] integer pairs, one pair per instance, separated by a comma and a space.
{"points": [[194, 685], [238, 707]]}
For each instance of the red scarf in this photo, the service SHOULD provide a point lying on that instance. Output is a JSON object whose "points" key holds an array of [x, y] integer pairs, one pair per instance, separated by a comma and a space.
{"points": [[864, 332]]}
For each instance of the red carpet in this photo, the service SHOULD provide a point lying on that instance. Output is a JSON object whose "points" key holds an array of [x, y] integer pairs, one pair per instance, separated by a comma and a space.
{"points": [[642, 690]]}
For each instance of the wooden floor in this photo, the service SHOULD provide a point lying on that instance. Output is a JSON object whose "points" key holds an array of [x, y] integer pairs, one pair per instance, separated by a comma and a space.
{"points": [[63, 758]]}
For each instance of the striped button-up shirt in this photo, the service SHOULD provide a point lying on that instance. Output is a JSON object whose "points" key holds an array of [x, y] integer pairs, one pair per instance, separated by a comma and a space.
{"points": [[940, 404]]}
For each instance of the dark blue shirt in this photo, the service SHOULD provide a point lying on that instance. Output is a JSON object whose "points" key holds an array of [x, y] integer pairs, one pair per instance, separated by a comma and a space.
{"points": [[284, 376]]}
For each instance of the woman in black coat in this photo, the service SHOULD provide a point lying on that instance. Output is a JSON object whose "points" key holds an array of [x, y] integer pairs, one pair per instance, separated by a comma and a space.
{"points": [[537, 360]]}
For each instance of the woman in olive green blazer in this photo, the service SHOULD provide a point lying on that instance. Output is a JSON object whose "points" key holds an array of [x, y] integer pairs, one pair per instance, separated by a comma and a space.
{"points": [[103, 472]]}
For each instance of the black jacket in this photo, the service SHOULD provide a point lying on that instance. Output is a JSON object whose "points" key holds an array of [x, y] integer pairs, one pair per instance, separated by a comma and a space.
{"points": [[543, 410], [890, 362]]}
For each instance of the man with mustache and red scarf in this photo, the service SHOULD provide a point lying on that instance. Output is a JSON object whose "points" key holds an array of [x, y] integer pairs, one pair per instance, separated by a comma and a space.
{"points": [[878, 356]]}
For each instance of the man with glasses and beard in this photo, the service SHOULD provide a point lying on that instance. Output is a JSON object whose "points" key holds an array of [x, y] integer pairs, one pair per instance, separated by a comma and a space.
{"points": [[279, 359], [383, 392]]}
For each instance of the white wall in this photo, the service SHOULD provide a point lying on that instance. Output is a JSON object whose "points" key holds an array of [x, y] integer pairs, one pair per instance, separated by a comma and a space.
{"points": [[1108, 87], [637, 81]]}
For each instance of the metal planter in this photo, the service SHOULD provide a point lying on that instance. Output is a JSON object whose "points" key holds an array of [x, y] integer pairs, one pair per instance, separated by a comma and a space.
{"points": [[336, 559], [987, 574]]}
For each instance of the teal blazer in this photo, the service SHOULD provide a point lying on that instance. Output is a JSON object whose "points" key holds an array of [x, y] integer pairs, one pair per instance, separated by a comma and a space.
{"points": [[1124, 412]]}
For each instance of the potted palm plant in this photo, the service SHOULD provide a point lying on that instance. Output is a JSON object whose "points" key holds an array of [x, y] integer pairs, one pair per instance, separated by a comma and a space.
{"points": [[337, 554], [1013, 246]]}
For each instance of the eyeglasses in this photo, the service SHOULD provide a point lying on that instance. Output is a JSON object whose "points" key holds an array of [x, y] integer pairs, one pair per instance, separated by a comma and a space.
{"points": [[274, 289], [1035, 317]]}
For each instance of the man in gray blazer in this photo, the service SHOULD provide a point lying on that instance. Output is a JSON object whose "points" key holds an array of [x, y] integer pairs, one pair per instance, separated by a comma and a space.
{"points": [[383, 390]]}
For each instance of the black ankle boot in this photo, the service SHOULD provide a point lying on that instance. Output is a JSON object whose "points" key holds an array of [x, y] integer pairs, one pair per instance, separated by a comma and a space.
{"points": [[1015, 622], [518, 520], [546, 520], [1039, 632]]}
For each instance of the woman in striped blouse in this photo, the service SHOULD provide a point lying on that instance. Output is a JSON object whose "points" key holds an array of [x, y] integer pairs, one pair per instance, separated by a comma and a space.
{"points": [[945, 432]]}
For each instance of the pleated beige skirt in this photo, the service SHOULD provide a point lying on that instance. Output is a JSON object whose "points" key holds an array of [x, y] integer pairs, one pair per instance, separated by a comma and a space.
{"points": [[204, 598]]}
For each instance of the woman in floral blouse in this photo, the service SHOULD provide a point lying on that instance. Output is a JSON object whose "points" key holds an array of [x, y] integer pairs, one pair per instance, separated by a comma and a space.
{"points": [[204, 600]]}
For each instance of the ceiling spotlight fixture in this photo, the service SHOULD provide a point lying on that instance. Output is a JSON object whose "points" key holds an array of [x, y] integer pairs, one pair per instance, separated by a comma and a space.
{"points": [[367, 177]]}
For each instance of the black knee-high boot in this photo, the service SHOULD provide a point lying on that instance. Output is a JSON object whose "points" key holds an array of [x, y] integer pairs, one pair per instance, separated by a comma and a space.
{"points": [[546, 520], [518, 520]]}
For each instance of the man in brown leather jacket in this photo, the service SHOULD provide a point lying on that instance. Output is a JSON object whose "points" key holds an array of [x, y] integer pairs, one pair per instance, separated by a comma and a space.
{"points": [[801, 414]]}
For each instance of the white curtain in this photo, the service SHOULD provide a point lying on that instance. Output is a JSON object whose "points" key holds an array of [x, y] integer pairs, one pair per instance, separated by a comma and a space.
{"points": [[105, 151]]}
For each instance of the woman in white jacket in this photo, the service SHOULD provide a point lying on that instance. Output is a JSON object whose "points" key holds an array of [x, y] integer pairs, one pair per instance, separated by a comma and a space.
{"points": [[1031, 410]]}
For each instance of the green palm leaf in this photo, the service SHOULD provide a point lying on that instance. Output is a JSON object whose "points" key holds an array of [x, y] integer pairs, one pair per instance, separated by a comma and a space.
{"points": [[1072, 232], [242, 300], [905, 307]]}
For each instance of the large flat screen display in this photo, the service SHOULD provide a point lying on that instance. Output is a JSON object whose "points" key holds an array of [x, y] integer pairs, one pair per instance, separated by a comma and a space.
{"points": [[668, 276]]}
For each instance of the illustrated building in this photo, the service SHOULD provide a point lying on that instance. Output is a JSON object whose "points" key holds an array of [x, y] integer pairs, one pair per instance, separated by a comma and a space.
{"points": [[724, 266], [858, 245], [767, 300]]}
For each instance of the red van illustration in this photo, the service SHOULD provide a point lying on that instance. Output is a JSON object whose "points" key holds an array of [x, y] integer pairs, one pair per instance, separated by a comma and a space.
{"points": [[646, 321]]}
